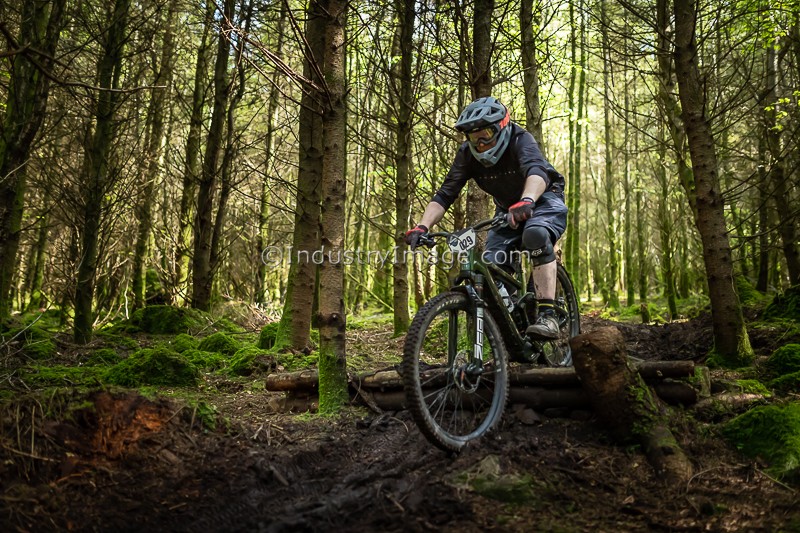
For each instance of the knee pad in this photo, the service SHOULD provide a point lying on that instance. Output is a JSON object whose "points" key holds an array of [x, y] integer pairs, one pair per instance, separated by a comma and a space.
{"points": [[537, 242]]}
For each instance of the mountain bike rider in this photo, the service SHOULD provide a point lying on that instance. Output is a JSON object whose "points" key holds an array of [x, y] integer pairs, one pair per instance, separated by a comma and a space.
{"points": [[506, 162]]}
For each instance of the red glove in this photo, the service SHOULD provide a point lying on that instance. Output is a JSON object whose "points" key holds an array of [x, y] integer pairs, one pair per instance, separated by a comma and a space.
{"points": [[413, 235], [521, 211]]}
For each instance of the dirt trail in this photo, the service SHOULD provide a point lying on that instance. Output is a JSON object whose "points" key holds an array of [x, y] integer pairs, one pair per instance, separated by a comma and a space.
{"points": [[125, 463], [375, 473]]}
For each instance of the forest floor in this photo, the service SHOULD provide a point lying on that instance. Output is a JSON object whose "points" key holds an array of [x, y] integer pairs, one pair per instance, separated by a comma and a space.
{"points": [[121, 461]]}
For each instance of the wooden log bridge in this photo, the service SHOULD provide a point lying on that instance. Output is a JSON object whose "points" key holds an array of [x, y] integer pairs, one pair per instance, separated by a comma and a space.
{"points": [[536, 387]]}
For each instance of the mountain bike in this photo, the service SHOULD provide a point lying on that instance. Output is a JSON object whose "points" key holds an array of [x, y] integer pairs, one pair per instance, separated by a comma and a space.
{"points": [[457, 349]]}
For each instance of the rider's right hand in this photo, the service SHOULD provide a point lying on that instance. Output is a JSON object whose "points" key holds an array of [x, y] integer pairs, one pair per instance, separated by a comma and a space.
{"points": [[413, 235]]}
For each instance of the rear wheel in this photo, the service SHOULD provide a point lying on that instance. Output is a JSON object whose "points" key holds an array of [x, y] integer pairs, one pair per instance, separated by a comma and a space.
{"points": [[558, 352], [454, 396]]}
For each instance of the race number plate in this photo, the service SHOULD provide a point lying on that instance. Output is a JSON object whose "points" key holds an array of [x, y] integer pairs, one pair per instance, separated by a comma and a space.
{"points": [[463, 240]]}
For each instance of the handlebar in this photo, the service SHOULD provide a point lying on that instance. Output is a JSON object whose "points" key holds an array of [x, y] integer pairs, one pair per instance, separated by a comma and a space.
{"points": [[499, 221]]}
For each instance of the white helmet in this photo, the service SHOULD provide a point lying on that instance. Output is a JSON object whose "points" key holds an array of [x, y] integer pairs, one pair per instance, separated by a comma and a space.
{"points": [[484, 121]]}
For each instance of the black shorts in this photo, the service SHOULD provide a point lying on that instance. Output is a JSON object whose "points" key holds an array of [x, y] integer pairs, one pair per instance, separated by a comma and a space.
{"points": [[550, 212]]}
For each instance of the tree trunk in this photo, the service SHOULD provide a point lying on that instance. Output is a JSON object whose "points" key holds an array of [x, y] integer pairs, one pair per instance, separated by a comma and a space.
{"points": [[202, 272], [24, 112], [628, 191], [641, 245], [226, 172], [109, 70], [610, 182], [668, 100], [763, 220], [260, 295], [731, 342], [153, 155], [191, 172], [481, 85], [571, 248], [37, 299], [405, 14], [778, 175], [574, 263], [528, 21], [332, 355], [665, 226], [295, 327], [626, 406]]}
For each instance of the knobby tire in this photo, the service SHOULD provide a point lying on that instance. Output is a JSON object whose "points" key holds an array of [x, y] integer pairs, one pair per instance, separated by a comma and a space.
{"points": [[439, 412]]}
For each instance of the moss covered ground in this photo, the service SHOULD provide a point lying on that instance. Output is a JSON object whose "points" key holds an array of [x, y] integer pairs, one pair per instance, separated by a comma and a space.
{"points": [[771, 433]]}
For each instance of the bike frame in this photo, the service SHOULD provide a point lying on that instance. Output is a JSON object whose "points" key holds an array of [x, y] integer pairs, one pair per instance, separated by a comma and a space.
{"points": [[474, 277]]}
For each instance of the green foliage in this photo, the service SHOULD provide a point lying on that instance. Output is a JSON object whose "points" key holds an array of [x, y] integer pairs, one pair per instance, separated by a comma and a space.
{"points": [[786, 305], [152, 284], [163, 319], [772, 433], [693, 306], [753, 386], [369, 321], [333, 393], [633, 313], [237, 316], [116, 340], [62, 376], [40, 349], [205, 413], [609, 313], [184, 342], [205, 360], [34, 342], [156, 366], [103, 357], [516, 490], [748, 295], [784, 360], [268, 335], [293, 362], [787, 383], [226, 324], [219, 342], [742, 358], [487, 479], [49, 320], [249, 360]]}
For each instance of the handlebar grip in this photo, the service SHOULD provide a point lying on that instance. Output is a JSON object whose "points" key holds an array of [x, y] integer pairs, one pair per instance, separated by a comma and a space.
{"points": [[426, 240]]}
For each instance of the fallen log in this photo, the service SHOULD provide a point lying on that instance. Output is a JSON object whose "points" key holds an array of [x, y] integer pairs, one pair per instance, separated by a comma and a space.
{"points": [[293, 381], [676, 392], [383, 379], [565, 377], [535, 397], [538, 377], [624, 403], [665, 369], [726, 404]]}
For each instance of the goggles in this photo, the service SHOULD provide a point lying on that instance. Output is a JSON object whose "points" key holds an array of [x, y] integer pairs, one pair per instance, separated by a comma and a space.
{"points": [[483, 135]]}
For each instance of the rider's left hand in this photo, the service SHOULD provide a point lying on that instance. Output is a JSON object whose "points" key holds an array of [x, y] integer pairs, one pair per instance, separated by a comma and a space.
{"points": [[521, 211]]}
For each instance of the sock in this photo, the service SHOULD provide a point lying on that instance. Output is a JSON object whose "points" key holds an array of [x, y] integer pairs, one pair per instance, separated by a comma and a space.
{"points": [[546, 307]]}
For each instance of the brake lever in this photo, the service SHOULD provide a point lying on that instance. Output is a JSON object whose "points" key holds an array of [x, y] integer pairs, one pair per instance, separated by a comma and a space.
{"points": [[424, 240], [503, 221]]}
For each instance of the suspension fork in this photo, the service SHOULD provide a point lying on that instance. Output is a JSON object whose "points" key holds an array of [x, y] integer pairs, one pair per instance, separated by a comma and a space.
{"points": [[475, 292]]}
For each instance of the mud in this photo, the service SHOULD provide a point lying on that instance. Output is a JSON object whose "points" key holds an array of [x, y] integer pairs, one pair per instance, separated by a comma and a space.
{"points": [[121, 462]]}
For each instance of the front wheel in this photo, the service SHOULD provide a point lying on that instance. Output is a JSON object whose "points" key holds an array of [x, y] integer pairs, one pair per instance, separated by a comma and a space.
{"points": [[454, 396]]}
